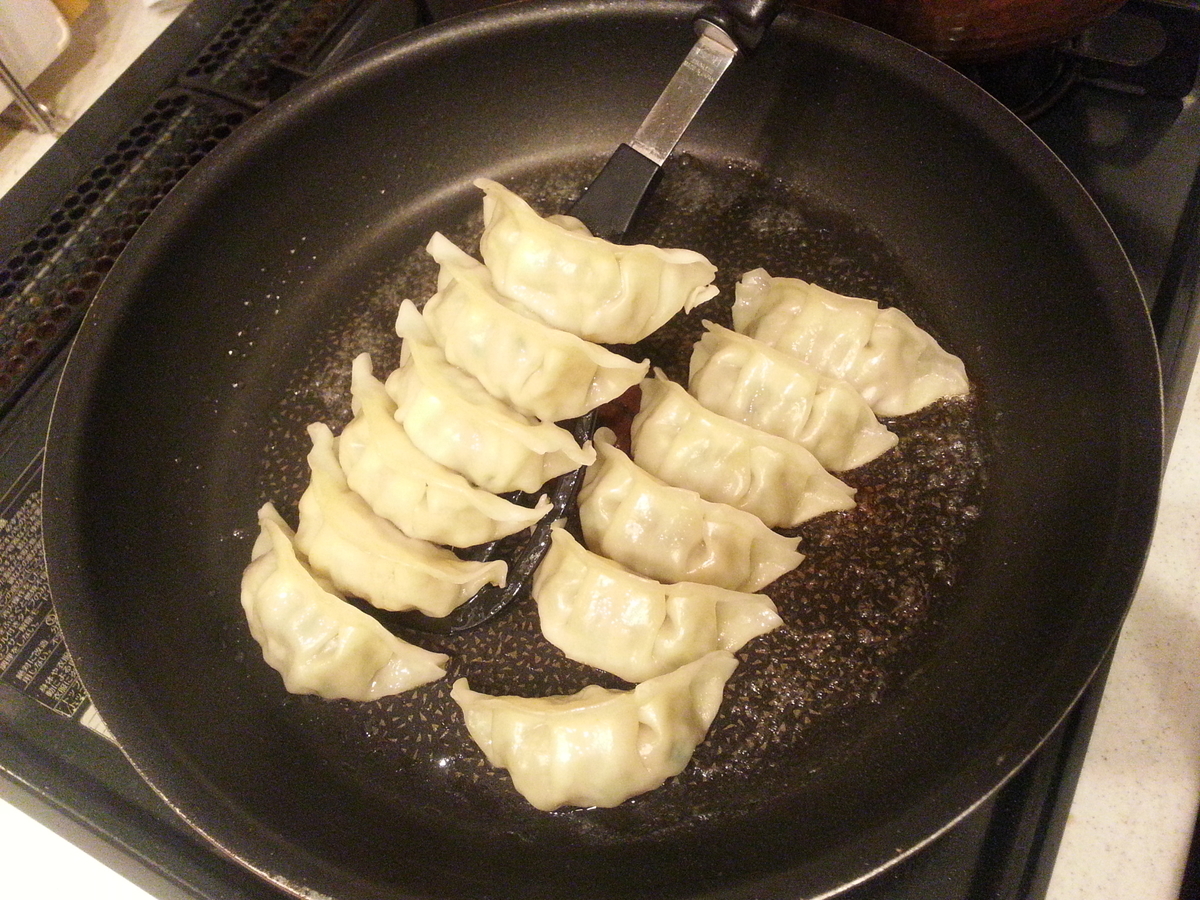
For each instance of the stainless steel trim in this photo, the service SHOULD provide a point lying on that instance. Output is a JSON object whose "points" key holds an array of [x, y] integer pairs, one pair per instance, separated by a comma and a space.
{"points": [[683, 96]]}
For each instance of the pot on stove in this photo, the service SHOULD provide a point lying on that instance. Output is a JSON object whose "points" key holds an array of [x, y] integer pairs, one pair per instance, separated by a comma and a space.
{"points": [[973, 30]]}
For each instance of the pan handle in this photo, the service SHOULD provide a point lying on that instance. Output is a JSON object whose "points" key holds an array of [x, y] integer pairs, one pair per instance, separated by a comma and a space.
{"points": [[744, 21]]}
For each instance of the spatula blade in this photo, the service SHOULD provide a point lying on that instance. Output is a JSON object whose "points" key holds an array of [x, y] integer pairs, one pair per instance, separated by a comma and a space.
{"points": [[609, 204]]}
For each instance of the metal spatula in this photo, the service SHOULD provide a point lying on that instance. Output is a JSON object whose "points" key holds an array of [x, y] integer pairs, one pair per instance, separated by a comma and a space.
{"points": [[725, 30], [607, 207]]}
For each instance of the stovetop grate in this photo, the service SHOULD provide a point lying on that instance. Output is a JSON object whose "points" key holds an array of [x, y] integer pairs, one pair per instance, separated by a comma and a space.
{"points": [[49, 282], [244, 61], [51, 274]]}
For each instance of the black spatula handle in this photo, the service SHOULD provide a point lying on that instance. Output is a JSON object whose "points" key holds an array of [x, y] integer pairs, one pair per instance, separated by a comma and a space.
{"points": [[612, 201], [609, 204], [743, 20]]}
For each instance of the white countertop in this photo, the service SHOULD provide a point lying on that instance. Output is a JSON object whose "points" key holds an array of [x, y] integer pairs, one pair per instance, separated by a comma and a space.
{"points": [[1129, 828]]}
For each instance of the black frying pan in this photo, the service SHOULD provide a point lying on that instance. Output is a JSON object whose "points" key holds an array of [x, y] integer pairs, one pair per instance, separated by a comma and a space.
{"points": [[835, 154]]}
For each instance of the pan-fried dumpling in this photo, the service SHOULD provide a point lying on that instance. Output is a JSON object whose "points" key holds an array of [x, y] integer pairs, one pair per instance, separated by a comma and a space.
{"points": [[599, 613], [423, 498], [673, 534], [605, 292], [366, 556], [453, 419], [543, 372], [686, 445], [598, 747], [747, 380], [894, 364], [317, 641]]}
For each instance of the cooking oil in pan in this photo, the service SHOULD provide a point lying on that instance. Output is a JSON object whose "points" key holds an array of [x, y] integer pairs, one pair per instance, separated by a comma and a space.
{"points": [[860, 612]]}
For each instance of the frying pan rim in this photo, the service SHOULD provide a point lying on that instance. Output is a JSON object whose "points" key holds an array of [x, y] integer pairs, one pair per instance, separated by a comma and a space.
{"points": [[103, 319]]}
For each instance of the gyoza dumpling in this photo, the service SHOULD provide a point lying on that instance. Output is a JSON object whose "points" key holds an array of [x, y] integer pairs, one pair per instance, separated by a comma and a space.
{"points": [[599, 613], [423, 498], [673, 534], [543, 372], [684, 444], [601, 291], [895, 365], [744, 379], [317, 641], [453, 419], [365, 555], [598, 747]]}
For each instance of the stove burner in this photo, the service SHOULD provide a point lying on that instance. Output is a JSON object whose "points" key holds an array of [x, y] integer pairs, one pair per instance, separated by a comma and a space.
{"points": [[1144, 49], [1030, 82]]}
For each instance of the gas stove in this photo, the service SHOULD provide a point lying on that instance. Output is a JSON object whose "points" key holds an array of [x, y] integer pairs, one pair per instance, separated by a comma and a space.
{"points": [[1116, 104]]}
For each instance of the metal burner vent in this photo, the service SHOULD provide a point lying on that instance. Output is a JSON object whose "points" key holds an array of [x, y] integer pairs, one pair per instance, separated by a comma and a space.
{"points": [[48, 277]]}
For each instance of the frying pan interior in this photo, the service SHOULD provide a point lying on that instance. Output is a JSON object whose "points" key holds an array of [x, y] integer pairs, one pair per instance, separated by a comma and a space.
{"points": [[231, 321]]}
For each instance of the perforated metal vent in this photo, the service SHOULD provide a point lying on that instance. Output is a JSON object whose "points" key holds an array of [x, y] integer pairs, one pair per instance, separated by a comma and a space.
{"points": [[284, 36], [49, 278], [48, 283]]}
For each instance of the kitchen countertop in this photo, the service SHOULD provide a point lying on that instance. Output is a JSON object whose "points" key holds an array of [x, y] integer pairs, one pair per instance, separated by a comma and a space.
{"points": [[1130, 825]]}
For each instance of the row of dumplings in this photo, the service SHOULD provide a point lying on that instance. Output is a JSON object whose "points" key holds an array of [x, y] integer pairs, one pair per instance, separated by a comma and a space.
{"points": [[677, 539], [467, 416], [679, 536]]}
